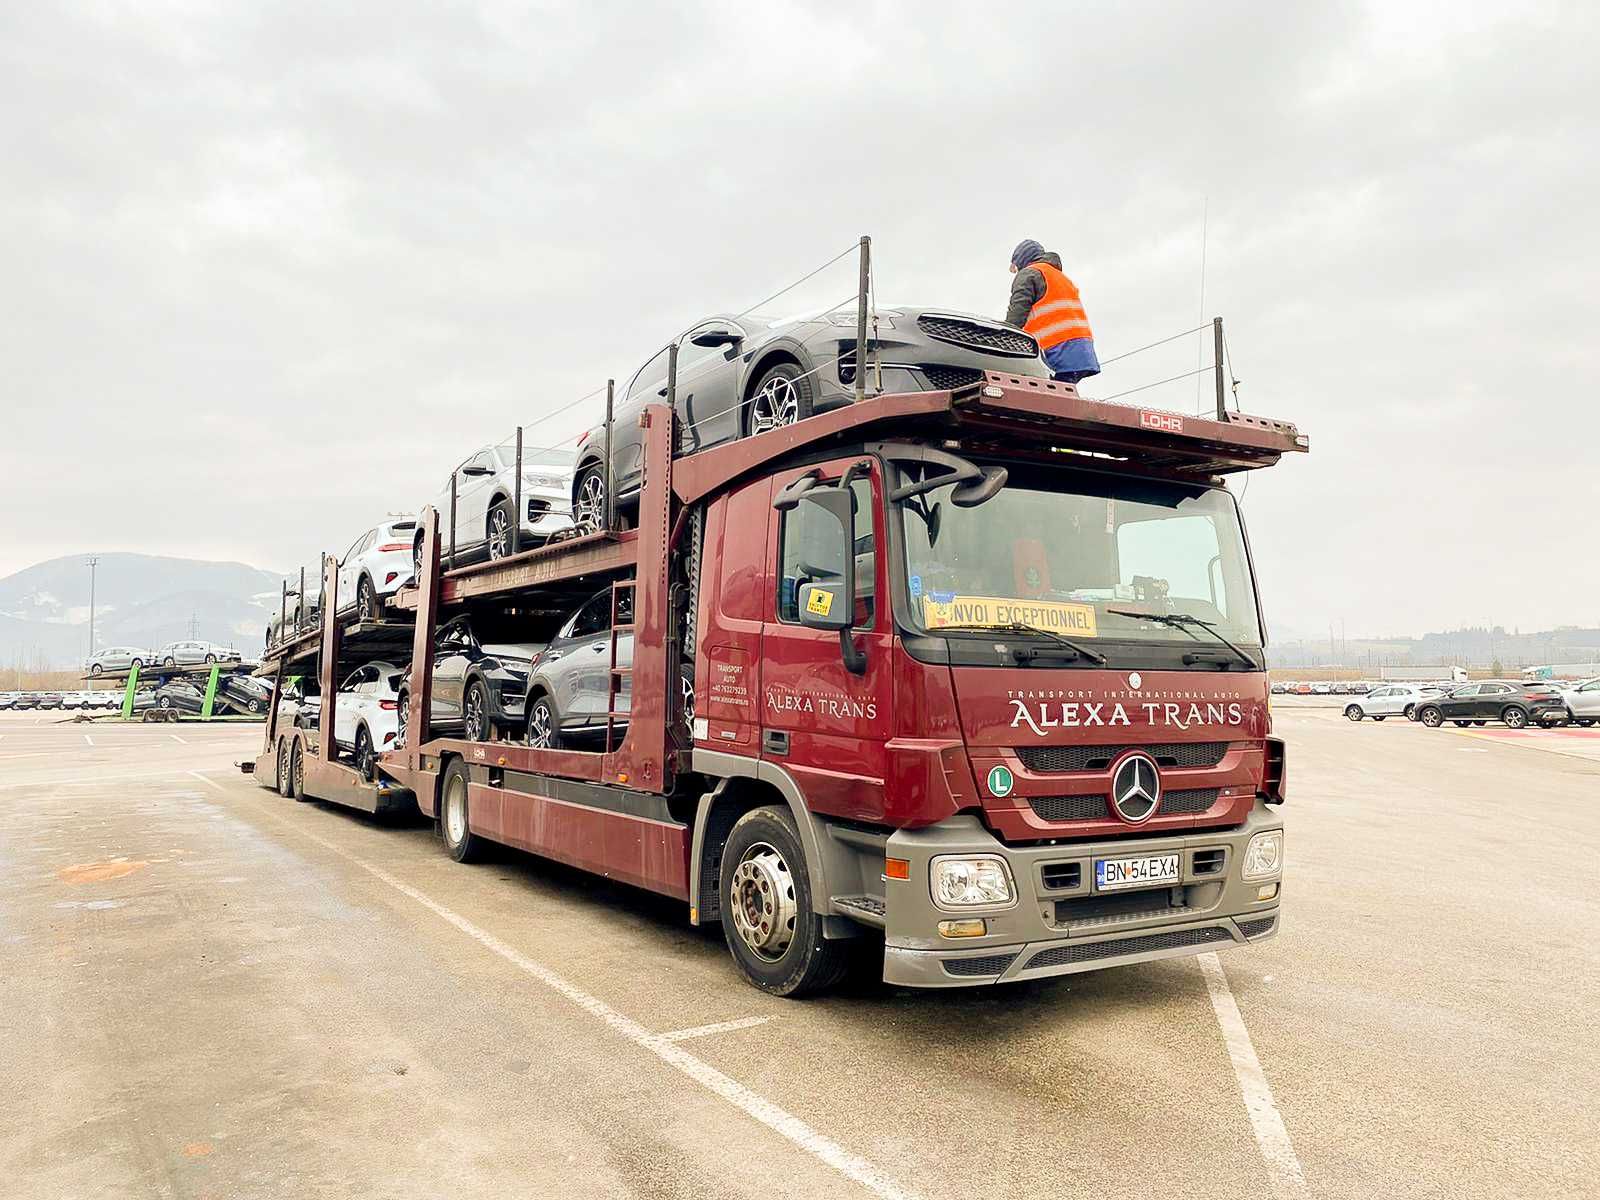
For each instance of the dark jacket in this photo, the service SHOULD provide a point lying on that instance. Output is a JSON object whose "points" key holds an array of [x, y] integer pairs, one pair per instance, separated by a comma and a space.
{"points": [[1027, 286]]}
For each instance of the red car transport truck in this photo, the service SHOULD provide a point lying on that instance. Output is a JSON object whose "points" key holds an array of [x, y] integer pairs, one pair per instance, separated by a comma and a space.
{"points": [[976, 676]]}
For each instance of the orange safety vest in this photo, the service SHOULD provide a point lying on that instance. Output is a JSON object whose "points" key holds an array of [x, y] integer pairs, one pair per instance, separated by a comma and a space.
{"points": [[1058, 316]]}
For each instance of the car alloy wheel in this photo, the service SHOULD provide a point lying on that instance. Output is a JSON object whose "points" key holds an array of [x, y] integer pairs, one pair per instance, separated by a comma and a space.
{"points": [[1515, 718], [589, 504], [1353, 712], [775, 404], [96, 669], [169, 661], [763, 902], [1431, 717], [499, 532], [477, 715], [542, 725], [402, 718], [364, 760], [210, 659], [366, 601]]}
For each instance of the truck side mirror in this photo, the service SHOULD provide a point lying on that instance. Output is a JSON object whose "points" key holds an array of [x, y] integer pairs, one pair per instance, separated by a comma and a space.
{"points": [[831, 604]]}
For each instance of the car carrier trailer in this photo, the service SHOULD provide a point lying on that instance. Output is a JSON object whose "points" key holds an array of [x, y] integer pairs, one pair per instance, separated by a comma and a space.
{"points": [[930, 745]]}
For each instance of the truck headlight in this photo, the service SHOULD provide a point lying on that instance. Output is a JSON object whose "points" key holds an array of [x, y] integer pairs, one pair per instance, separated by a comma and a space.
{"points": [[971, 880], [1263, 857]]}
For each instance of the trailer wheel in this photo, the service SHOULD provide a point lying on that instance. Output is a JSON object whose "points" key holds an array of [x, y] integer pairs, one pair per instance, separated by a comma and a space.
{"points": [[297, 772], [766, 908], [283, 767], [459, 840]]}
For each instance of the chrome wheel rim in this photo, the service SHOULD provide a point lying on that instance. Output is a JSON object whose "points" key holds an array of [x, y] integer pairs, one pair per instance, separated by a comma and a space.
{"points": [[775, 405], [474, 720], [401, 719], [1515, 718], [763, 902], [364, 601], [539, 726], [499, 534], [455, 812], [591, 507]]}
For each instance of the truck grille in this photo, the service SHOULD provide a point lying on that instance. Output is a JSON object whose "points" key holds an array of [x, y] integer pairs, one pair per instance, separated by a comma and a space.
{"points": [[1060, 760], [989, 964], [1093, 806], [944, 378], [1060, 956], [991, 339]]}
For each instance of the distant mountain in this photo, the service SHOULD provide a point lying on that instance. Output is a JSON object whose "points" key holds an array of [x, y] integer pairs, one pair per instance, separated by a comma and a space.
{"points": [[140, 600]]}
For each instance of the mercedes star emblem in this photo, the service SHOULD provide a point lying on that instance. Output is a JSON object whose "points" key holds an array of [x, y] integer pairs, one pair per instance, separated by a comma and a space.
{"points": [[1136, 788]]}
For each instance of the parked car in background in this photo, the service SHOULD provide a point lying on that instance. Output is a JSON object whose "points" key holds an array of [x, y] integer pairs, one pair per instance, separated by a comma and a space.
{"points": [[485, 492], [7, 700], [116, 658], [1389, 700], [739, 376], [1321, 689], [184, 654], [366, 718], [1279, 687], [47, 699], [1583, 701], [378, 564], [1302, 689], [1516, 704], [480, 679]]}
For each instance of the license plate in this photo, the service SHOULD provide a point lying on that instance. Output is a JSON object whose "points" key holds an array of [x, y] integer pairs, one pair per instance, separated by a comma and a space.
{"points": [[1110, 874]]}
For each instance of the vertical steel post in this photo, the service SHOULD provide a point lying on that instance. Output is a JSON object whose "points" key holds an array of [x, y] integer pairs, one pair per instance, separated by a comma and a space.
{"points": [[609, 515], [283, 611], [1222, 391], [861, 319], [94, 561], [300, 618], [516, 501], [452, 518]]}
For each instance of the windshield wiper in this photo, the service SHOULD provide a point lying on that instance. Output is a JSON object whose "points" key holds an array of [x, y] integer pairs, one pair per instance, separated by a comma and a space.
{"points": [[1186, 622], [1020, 627]]}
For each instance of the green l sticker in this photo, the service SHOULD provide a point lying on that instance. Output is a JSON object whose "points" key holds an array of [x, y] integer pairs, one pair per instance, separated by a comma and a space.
{"points": [[1000, 781]]}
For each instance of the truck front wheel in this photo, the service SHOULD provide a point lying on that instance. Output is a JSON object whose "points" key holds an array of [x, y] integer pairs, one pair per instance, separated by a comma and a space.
{"points": [[766, 908]]}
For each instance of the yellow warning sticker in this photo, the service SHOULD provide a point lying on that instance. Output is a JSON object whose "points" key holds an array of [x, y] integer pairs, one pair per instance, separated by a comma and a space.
{"points": [[820, 602], [1076, 620]]}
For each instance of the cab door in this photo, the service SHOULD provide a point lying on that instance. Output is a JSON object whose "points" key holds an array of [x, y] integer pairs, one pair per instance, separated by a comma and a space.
{"points": [[821, 722]]}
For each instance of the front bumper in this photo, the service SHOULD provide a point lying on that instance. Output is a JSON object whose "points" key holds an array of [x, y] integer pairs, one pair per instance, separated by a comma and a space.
{"points": [[1059, 930]]}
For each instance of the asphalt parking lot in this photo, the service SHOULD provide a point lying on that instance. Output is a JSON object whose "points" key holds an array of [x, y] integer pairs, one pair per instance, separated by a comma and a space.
{"points": [[210, 991]]}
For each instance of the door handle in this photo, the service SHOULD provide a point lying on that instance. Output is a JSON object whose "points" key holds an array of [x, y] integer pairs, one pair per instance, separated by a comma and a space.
{"points": [[775, 741]]}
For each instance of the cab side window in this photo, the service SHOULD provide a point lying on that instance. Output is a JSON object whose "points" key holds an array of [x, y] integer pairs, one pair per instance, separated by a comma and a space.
{"points": [[809, 551]]}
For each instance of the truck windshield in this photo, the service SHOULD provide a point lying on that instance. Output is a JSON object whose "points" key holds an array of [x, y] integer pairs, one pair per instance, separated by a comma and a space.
{"points": [[1062, 551]]}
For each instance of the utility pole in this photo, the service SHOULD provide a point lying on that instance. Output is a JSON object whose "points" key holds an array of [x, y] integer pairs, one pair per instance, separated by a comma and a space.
{"points": [[91, 562]]}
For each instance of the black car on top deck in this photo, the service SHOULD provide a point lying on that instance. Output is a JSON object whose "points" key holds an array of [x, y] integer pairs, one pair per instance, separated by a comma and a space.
{"points": [[739, 376]]}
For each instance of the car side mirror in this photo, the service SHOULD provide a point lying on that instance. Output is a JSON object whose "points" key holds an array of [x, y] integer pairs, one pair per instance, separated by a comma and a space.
{"points": [[719, 335]]}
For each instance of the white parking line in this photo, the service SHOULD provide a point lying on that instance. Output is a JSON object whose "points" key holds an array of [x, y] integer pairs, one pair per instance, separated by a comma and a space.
{"points": [[94, 780], [212, 782], [176, 738], [683, 1035], [754, 1105], [1288, 1179], [88, 739]]}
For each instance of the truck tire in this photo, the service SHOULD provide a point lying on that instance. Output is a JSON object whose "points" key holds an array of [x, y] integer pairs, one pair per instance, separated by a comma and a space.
{"points": [[767, 921], [297, 772], [460, 843], [283, 767]]}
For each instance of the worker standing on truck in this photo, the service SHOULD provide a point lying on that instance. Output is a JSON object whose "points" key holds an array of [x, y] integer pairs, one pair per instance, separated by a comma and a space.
{"points": [[1045, 303]]}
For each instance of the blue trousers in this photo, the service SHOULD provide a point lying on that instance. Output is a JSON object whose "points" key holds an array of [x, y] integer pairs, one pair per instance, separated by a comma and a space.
{"points": [[1072, 361]]}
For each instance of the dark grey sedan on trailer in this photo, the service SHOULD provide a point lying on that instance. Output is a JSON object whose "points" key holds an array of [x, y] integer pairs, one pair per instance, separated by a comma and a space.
{"points": [[739, 376]]}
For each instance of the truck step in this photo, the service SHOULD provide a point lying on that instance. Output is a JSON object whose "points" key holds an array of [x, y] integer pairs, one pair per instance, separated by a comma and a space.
{"points": [[869, 910]]}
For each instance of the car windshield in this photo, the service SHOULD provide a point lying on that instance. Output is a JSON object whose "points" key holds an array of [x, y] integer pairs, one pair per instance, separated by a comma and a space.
{"points": [[1076, 553]]}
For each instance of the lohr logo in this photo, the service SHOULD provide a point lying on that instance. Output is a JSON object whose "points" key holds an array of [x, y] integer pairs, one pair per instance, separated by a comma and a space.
{"points": [[1165, 422]]}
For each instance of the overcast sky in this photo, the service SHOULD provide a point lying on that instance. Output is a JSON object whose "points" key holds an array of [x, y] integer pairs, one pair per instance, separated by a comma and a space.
{"points": [[271, 271]]}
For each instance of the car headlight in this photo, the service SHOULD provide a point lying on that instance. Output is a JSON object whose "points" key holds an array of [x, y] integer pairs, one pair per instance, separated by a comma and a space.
{"points": [[968, 881], [1263, 857]]}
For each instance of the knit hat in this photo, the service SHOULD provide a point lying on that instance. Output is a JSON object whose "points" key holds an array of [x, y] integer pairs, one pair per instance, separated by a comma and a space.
{"points": [[1027, 251]]}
